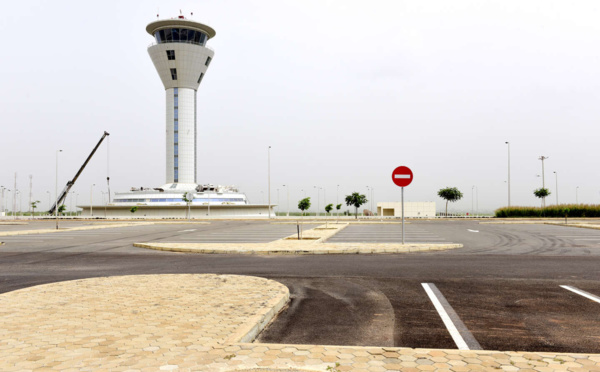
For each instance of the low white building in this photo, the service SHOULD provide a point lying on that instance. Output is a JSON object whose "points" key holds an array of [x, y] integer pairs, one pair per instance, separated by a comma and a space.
{"points": [[411, 209]]}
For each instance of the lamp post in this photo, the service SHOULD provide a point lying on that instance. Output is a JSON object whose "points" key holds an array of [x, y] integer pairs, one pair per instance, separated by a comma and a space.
{"points": [[56, 189], [2, 199], [542, 158], [277, 201], [337, 199], [49, 201], [288, 199], [508, 143], [269, 171], [316, 187], [91, 200], [556, 177], [472, 200], [577, 195]]}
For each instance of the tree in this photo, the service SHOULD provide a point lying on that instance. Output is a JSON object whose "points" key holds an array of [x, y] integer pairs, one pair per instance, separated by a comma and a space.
{"points": [[338, 207], [328, 208], [188, 198], [450, 194], [61, 209], [542, 193], [34, 206], [355, 199], [133, 209], [304, 204]]}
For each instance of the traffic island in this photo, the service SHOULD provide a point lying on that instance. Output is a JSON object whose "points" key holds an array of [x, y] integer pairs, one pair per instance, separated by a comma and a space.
{"points": [[313, 241], [193, 322]]}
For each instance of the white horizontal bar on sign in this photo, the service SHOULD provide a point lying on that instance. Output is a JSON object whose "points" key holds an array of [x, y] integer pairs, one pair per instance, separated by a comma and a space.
{"points": [[401, 175]]}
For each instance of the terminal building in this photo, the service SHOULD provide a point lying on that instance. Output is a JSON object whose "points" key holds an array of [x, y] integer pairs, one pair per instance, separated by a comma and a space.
{"points": [[411, 209], [181, 58]]}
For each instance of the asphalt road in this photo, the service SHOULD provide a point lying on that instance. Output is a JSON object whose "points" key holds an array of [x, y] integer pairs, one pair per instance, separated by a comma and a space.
{"points": [[504, 285]]}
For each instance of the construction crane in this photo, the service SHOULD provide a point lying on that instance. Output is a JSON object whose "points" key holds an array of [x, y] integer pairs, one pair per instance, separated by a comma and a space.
{"points": [[70, 184]]}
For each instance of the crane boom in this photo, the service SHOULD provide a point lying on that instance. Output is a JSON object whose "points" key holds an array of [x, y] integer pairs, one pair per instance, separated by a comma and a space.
{"points": [[70, 184]]}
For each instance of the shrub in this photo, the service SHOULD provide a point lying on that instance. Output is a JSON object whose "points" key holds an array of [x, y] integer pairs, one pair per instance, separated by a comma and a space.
{"points": [[572, 210]]}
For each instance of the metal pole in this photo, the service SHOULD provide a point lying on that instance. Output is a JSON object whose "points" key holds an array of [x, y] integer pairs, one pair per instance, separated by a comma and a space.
{"points": [[277, 202], [402, 215], [577, 195], [508, 143], [269, 171], [556, 177], [56, 189], [542, 158], [91, 201]]}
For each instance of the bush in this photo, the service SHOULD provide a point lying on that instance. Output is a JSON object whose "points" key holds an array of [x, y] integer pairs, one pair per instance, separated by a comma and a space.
{"points": [[572, 210]]}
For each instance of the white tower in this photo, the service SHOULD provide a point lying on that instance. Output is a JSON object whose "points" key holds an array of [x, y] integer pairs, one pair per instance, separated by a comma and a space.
{"points": [[181, 58]]}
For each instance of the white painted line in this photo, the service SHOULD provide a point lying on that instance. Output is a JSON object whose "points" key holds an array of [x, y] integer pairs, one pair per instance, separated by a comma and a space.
{"points": [[451, 319], [402, 176], [588, 239], [187, 230], [582, 293], [472, 230]]}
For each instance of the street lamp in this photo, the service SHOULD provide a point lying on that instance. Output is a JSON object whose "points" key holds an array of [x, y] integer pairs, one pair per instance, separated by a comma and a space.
{"points": [[472, 200], [556, 178], [577, 195], [277, 200], [49, 202], [91, 201], [318, 188], [56, 189], [269, 171], [288, 199], [542, 158], [508, 143]]}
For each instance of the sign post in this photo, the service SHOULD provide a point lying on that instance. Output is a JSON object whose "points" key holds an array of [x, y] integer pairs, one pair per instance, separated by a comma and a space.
{"points": [[402, 177]]}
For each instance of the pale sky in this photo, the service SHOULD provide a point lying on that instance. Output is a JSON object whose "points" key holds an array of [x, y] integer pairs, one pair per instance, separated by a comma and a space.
{"points": [[344, 91]]}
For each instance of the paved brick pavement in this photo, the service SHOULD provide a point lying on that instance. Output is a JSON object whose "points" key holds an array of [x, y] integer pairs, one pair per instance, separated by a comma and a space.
{"points": [[202, 323]]}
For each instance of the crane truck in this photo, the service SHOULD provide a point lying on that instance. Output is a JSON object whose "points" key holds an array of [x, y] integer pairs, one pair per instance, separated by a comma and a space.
{"points": [[70, 184]]}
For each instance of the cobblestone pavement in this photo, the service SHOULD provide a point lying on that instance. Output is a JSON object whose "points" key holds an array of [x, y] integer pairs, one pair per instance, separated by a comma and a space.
{"points": [[202, 323], [314, 241]]}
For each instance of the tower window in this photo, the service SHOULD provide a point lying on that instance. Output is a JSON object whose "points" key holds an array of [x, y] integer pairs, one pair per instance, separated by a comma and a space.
{"points": [[174, 73], [208, 59], [171, 54], [200, 78]]}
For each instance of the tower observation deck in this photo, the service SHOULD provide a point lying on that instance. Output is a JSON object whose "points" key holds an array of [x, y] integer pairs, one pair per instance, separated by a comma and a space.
{"points": [[181, 59]]}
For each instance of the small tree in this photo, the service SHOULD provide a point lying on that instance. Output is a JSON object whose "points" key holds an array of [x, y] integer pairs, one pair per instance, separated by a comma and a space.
{"points": [[61, 209], [133, 209], [304, 204], [34, 206], [355, 199], [328, 209], [542, 193], [450, 194], [188, 198], [338, 207]]}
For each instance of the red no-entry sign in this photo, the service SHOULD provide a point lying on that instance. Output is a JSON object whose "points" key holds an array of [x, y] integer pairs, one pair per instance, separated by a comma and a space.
{"points": [[402, 176]]}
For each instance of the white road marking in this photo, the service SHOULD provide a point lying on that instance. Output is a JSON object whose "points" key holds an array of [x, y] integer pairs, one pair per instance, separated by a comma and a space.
{"points": [[451, 319], [588, 239], [187, 230], [582, 293], [472, 230]]}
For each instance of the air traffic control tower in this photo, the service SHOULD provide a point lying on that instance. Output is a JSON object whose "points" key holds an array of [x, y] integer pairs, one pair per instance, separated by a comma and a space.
{"points": [[181, 58]]}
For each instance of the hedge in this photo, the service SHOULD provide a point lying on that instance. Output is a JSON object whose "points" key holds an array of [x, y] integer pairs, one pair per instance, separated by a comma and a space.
{"points": [[571, 210]]}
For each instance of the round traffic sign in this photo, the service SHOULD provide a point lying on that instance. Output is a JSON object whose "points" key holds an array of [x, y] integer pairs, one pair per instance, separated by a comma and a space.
{"points": [[402, 176]]}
